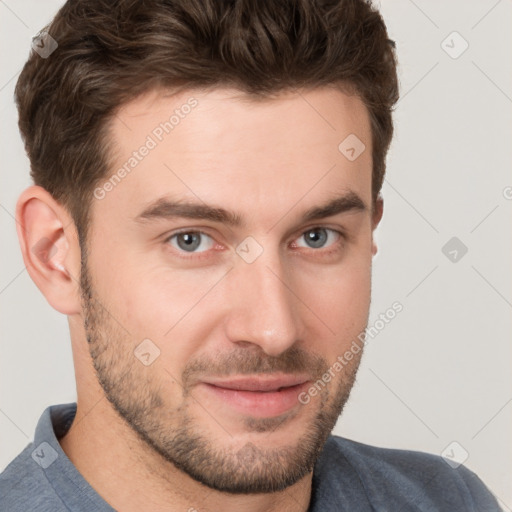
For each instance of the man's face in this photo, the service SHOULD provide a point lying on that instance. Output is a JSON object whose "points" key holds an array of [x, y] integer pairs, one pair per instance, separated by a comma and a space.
{"points": [[239, 319]]}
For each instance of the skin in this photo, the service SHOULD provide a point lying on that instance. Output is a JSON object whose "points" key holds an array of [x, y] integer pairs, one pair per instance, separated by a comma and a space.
{"points": [[152, 437]]}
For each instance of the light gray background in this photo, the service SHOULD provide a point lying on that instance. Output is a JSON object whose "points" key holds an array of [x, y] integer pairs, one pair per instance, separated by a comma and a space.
{"points": [[441, 370]]}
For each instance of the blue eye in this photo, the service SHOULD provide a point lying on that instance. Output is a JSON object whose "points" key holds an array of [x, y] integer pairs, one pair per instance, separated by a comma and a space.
{"points": [[197, 242], [189, 241], [316, 238]]}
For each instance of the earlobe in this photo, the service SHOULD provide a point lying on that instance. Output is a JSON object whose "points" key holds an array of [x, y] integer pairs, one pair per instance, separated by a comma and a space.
{"points": [[374, 245], [376, 218], [50, 250]]}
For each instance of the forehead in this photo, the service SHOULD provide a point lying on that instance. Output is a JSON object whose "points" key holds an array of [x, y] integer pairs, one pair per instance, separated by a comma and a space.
{"points": [[233, 115], [223, 147]]}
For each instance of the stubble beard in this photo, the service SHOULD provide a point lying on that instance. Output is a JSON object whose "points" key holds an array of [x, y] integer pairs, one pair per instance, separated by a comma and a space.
{"points": [[137, 396]]}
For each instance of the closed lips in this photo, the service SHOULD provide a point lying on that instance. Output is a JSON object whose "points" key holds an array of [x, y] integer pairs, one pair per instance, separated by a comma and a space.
{"points": [[258, 384]]}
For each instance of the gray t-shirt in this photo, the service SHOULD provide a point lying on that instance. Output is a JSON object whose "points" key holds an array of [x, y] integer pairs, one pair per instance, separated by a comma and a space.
{"points": [[348, 476]]}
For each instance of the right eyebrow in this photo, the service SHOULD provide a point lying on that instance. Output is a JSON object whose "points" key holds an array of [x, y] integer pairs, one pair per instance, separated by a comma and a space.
{"points": [[166, 209]]}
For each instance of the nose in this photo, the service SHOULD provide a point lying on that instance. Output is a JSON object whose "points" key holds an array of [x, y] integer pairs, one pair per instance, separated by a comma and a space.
{"points": [[264, 309]]}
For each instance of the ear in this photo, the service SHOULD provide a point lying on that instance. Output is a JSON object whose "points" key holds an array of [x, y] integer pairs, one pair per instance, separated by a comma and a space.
{"points": [[50, 248], [377, 213]]}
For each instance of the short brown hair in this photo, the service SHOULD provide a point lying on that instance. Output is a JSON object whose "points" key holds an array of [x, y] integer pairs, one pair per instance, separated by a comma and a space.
{"points": [[111, 51]]}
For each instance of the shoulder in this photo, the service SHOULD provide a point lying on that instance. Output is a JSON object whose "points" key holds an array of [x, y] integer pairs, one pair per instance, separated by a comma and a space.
{"points": [[403, 478], [23, 486]]}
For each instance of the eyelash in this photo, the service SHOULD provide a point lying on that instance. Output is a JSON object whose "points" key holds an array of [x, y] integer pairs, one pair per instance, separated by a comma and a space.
{"points": [[334, 247]]}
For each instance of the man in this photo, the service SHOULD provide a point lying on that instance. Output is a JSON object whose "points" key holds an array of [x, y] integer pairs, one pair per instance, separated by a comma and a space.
{"points": [[207, 180]]}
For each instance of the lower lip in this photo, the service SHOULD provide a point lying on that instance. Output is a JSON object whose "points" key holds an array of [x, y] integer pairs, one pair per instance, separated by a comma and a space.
{"points": [[258, 403]]}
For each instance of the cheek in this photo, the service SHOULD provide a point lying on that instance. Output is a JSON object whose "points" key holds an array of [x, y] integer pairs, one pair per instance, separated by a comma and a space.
{"points": [[125, 290], [341, 289], [341, 298], [156, 305], [347, 297], [168, 307]]}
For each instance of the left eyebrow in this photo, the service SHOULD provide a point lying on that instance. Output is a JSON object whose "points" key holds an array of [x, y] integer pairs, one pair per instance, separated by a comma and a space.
{"points": [[165, 208], [349, 202]]}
